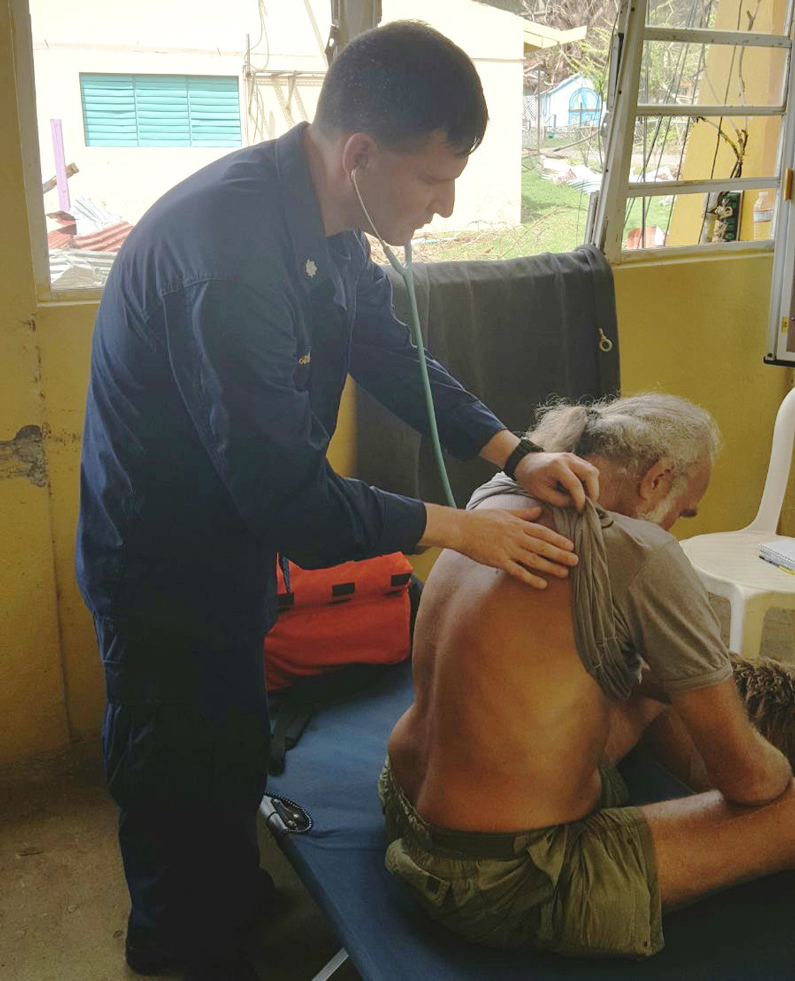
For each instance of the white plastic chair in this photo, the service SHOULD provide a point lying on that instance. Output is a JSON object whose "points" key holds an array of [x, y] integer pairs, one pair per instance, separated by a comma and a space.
{"points": [[728, 562]]}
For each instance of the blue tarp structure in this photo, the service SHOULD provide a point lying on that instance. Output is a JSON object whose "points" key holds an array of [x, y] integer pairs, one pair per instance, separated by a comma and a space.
{"points": [[745, 934]]}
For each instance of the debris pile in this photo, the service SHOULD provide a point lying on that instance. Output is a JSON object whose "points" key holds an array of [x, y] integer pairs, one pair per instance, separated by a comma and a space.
{"points": [[83, 246]]}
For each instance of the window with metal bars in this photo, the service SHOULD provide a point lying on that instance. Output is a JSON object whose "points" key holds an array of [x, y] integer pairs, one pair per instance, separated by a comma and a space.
{"points": [[698, 137]]}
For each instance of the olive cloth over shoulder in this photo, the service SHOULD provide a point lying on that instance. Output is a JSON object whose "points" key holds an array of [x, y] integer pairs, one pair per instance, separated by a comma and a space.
{"points": [[616, 671]]}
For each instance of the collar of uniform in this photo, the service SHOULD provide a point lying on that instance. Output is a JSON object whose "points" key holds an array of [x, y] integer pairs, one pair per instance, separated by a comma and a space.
{"points": [[304, 222]]}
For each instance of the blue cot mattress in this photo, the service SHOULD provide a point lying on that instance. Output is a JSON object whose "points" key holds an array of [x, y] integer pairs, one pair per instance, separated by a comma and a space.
{"points": [[745, 934]]}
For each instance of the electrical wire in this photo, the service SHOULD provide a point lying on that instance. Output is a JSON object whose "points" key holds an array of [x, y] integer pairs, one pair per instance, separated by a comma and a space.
{"points": [[262, 10], [257, 114]]}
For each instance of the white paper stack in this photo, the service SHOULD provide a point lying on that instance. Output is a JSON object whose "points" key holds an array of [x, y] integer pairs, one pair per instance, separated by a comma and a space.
{"points": [[780, 552]]}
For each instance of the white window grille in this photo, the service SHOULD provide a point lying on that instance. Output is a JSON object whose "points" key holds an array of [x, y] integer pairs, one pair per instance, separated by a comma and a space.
{"points": [[639, 114]]}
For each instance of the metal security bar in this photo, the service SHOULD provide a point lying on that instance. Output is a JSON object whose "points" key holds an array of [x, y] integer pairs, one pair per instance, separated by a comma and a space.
{"points": [[606, 228]]}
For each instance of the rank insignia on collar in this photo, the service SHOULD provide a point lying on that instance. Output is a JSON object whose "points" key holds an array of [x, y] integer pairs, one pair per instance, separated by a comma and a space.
{"points": [[311, 268], [306, 358]]}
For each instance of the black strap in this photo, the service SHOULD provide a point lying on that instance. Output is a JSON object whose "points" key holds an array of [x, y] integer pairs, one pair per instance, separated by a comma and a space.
{"points": [[288, 724], [292, 709], [520, 451], [415, 592]]}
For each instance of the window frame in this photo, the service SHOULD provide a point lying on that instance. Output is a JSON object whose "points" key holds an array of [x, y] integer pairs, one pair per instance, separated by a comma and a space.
{"points": [[28, 125], [27, 118], [606, 228]]}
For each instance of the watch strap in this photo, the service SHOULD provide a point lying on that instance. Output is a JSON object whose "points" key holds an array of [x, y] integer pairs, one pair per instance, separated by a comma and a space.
{"points": [[522, 448]]}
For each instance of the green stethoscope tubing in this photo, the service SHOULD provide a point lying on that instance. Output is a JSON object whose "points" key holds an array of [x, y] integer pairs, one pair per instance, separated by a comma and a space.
{"points": [[406, 273], [408, 278]]}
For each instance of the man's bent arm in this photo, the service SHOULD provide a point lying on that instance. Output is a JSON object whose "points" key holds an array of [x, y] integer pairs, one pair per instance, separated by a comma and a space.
{"points": [[741, 763], [233, 352], [507, 540], [557, 478], [674, 627]]}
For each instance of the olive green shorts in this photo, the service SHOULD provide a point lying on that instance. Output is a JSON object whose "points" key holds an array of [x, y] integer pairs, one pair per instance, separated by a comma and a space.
{"points": [[584, 888]]}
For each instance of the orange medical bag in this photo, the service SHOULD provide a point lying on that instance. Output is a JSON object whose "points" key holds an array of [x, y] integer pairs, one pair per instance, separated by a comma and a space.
{"points": [[354, 613]]}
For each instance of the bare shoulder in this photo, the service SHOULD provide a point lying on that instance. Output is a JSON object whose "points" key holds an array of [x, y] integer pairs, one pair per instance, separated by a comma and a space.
{"points": [[465, 599]]}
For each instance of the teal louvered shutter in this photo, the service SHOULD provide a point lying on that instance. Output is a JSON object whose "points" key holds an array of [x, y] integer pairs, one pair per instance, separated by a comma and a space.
{"points": [[214, 111], [109, 110], [160, 110], [161, 104]]}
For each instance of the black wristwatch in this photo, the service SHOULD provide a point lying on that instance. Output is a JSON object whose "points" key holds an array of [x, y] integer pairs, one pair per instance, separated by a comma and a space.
{"points": [[522, 448]]}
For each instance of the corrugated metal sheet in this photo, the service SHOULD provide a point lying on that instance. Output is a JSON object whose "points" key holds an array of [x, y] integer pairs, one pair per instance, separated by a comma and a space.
{"points": [[61, 238], [76, 269], [109, 239]]}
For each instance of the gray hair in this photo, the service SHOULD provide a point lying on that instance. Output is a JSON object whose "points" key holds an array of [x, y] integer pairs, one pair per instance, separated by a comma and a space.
{"points": [[632, 433]]}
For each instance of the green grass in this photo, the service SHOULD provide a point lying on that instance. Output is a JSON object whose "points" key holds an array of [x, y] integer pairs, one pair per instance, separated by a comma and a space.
{"points": [[567, 208], [657, 213], [554, 213], [553, 220]]}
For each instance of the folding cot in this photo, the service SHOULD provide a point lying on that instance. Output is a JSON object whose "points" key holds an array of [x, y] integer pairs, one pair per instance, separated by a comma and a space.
{"points": [[745, 934]]}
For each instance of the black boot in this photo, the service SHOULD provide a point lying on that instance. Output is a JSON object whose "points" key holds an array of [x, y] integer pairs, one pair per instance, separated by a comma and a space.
{"points": [[143, 958], [238, 969]]}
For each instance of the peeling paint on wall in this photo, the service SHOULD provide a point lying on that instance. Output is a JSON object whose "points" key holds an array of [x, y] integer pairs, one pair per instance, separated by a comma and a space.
{"points": [[23, 456]]}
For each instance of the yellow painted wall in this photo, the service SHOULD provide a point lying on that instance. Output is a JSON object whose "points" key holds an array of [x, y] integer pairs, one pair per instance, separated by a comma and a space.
{"points": [[65, 335], [756, 77], [32, 705], [695, 328]]}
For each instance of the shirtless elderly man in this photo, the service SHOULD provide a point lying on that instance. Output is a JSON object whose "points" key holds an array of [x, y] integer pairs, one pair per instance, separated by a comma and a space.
{"points": [[504, 810]]}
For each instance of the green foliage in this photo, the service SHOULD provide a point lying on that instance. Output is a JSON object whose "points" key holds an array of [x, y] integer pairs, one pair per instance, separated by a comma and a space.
{"points": [[668, 69], [512, 6]]}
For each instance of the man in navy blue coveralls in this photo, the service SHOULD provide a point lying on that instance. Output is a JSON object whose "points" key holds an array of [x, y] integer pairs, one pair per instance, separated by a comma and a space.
{"points": [[231, 318]]}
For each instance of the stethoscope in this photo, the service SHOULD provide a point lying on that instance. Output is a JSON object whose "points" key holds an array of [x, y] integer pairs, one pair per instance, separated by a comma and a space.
{"points": [[405, 271]]}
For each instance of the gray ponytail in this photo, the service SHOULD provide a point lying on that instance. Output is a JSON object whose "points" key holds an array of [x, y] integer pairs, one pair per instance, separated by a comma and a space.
{"points": [[633, 433]]}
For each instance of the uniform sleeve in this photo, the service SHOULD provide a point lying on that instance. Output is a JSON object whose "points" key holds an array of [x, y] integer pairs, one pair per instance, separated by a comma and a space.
{"points": [[385, 362], [233, 354], [672, 624]]}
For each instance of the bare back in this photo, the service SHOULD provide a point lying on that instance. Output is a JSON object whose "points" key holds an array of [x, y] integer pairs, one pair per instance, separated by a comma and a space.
{"points": [[508, 727]]}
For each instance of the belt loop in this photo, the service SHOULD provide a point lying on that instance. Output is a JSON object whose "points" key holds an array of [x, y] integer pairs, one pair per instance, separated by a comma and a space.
{"points": [[520, 842]]}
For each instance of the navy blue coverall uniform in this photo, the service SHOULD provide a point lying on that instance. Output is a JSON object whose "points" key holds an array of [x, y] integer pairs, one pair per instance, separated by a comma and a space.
{"points": [[221, 347]]}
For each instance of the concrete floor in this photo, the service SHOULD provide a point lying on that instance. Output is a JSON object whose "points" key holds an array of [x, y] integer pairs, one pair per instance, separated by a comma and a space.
{"points": [[63, 903]]}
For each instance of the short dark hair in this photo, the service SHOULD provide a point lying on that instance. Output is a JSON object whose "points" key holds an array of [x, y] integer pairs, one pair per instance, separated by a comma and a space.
{"points": [[401, 83]]}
